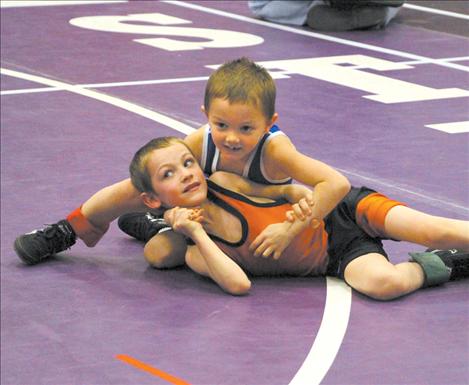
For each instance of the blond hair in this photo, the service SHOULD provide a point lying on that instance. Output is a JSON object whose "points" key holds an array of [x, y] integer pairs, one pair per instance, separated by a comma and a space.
{"points": [[242, 80]]}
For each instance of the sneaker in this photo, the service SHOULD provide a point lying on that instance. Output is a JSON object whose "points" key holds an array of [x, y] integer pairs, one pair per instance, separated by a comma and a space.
{"points": [[39, 244], [456, 260], [142, 226]]}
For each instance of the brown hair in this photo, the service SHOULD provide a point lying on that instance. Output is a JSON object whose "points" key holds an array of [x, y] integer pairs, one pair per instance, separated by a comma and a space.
{"points": [[139, 175], [242, 80]]}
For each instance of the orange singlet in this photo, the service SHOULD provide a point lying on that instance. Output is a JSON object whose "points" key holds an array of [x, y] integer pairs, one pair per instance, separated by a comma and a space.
{"points": [[306, 254]]}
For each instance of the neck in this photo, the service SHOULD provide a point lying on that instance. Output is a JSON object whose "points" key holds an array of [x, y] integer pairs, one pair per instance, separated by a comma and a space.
{"points": [[211, 211]]}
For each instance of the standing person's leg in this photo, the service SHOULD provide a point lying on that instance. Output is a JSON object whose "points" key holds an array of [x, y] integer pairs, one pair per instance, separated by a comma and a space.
{"points": [[281, 11], [349, 15]]}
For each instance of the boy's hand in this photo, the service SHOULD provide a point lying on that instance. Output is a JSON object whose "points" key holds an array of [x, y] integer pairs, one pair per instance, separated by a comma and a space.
{"points": [[300, 210], [296, 192], [272, 241], [185, 221]]}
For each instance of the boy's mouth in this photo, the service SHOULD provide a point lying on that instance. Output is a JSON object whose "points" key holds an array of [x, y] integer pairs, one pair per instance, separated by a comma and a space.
{"points": [[233, 148], [191, 187]]}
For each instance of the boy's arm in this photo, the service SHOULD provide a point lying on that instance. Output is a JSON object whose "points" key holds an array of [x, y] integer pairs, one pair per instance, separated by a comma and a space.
{"points": [[291, 192], [329, 185], [206, 258]]}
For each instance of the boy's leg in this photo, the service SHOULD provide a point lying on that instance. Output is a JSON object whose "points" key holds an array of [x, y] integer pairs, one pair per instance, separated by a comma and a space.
{"points": [[441, 266], [373, 275], [89, 223], [92, 220], [39, 244], [406, 224], [166, 249], [142, 226], [379, 216]]}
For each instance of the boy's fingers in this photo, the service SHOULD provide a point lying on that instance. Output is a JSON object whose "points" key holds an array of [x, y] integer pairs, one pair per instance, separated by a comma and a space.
{"points": [[255, 243], [305, 207], [278, 254], [260, 250], [298, 212], [267, 252]]}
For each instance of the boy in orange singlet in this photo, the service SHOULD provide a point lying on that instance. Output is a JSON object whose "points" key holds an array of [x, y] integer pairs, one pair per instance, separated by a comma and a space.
{"points": [[241, 137], [223, 218]]}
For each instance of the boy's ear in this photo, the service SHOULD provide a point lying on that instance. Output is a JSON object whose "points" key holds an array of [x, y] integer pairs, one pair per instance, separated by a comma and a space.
{"points": [[202, 108], [151, 200], [272, 121]]}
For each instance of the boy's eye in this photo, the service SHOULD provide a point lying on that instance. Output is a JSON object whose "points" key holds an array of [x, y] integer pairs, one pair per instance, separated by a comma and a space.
{"points": [[168, 173], [221, 125], [246, 128], [188, 162]]}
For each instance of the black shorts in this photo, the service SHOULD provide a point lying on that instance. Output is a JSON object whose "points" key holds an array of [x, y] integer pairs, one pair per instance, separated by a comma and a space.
{"points": [[346, 240]]}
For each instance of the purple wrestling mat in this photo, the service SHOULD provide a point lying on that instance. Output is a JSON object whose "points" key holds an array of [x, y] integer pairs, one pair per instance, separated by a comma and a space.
{"points": [[85, 84]]}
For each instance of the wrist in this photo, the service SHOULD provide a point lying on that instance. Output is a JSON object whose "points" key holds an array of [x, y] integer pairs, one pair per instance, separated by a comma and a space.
{"points": [[198, 234]]}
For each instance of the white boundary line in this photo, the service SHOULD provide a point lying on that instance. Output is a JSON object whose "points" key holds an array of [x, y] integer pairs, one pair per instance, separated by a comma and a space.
{"points": [[330, 334], [402, 189], [142, 111], [108, 85], [47, 3], [437, 11], [317, 35]]}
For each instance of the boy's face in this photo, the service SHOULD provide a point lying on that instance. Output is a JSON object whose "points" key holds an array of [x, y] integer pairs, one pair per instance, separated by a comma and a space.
{"points": [[176, 177], [236, 127]]}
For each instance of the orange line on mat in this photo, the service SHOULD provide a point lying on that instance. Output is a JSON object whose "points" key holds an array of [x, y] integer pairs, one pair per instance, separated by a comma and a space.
{"points": [[147, 368]]}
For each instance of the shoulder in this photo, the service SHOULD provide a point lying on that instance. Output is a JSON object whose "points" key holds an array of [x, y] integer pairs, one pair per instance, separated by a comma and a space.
{"points": [[195, 141], [279, 146]]}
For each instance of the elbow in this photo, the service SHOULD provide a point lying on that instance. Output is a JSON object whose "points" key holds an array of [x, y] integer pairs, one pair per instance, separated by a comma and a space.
{"points": [[238, 288], [343, 186]]}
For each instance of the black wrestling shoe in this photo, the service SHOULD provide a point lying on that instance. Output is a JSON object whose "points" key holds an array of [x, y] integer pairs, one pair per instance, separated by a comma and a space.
{"points": [[141, 226], [39, 244], [457, 261]]}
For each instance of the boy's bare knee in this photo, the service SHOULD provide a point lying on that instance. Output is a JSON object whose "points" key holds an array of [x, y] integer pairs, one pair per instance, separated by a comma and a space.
{"points": [[165, 250], [385, 286], [161, 259]]}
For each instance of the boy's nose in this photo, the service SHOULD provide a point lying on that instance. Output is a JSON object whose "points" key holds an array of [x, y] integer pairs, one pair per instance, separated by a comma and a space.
{"points": [[186, 174], [232, 138]]}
